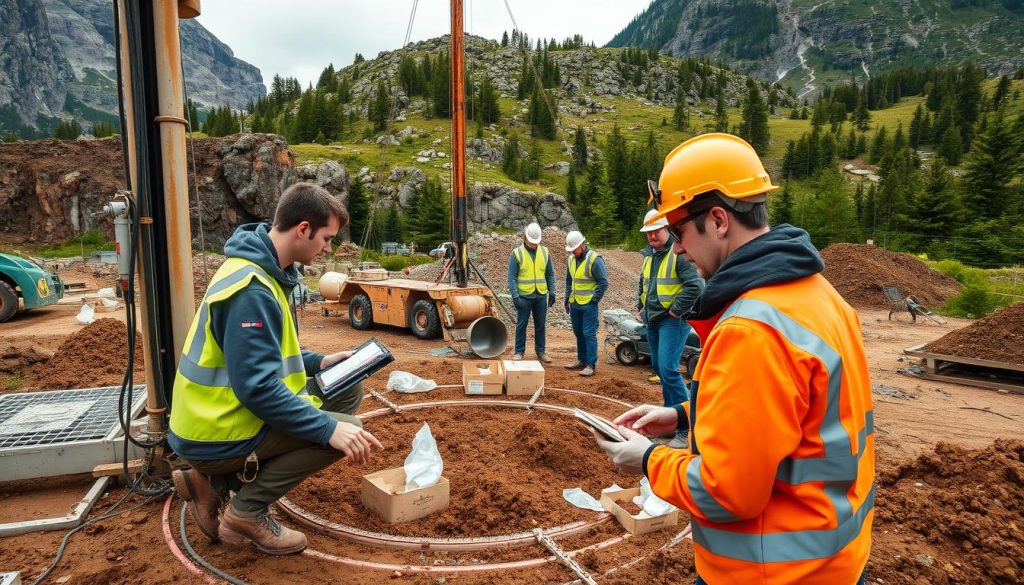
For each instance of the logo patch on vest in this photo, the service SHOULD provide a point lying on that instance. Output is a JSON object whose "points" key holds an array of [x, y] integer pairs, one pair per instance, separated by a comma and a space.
{"points": [[252, 324]]}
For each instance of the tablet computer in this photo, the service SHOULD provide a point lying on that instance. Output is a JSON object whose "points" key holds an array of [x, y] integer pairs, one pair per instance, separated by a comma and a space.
{"points": [[607, 430], [365, 360]]}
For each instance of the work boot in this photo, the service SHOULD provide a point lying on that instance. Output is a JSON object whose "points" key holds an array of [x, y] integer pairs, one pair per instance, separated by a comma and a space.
{"points": [[516, 357], [576, 365], [544, 358], [194, 487], [263, 531], [587, 371]]}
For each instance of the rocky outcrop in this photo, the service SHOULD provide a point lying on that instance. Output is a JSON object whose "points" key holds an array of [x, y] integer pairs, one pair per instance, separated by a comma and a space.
{"points": [[57, 57], [34, 73], [494, 205]]}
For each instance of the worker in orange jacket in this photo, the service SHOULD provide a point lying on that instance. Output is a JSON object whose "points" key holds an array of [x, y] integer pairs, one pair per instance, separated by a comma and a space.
{"points": [[779, 474]]}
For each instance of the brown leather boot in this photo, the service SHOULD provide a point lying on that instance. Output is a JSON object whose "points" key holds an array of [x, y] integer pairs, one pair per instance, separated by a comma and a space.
{"points": [[194, 487], [263, 531]]}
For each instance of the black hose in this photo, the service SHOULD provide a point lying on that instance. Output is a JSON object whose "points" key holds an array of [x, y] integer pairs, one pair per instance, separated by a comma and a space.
{"points": [[197, 557]]}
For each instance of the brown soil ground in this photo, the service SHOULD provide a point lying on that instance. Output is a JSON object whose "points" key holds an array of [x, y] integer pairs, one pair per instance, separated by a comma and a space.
{"points": [[92, 357], [131, 548], [858, 272], [998, 337]]}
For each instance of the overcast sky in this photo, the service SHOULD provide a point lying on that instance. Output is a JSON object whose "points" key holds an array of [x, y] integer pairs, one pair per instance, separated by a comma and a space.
{"points": [[298, 38]]}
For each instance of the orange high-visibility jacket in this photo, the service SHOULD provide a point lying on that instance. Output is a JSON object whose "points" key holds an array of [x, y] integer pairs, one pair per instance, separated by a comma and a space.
{"points": [[779, 479]]}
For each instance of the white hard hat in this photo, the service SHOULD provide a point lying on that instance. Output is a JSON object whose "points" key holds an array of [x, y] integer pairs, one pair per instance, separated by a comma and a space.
{"points": [[651, 226], [532, 233], [573, 240]]}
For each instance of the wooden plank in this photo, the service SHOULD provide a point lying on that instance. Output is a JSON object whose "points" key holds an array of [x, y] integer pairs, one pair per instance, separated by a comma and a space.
{"points": [[973, 381], [108, 469], [915, 351]]}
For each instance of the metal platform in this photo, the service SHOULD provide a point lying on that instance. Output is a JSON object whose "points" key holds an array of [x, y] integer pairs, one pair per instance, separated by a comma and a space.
{"points": [[44, 434]]}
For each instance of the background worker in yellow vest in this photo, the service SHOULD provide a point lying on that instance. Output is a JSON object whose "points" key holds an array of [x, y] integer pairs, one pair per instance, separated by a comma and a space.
{"points": [[586, 280], [531, 281], [667, 287], [779, 479], [242, 415]]}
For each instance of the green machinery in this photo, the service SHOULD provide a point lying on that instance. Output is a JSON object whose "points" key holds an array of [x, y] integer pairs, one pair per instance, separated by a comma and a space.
{"points": [[21, 279]]}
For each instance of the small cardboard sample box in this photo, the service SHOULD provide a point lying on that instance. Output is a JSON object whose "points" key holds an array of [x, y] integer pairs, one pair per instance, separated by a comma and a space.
{"points": [[384, 493], [483, 377], [523, 378], [634, 524]]}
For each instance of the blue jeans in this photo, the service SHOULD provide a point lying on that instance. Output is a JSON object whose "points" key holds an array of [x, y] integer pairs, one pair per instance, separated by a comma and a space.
{"points": [[862, 581], [538, 307], [584, 325], [667, 338]]}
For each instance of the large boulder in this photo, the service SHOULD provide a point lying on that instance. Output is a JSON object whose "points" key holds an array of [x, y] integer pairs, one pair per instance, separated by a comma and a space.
{"points": [[258, 167], [504, 206]]}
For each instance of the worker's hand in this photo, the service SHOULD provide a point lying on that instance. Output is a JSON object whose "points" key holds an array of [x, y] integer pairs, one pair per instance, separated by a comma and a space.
{"points": [[627, 455], [354, 442], [551, 300], [649, 419], [330, 360]]}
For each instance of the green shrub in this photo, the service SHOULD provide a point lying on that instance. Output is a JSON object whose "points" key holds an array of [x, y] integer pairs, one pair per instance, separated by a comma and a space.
{"points": [[974, 302]]}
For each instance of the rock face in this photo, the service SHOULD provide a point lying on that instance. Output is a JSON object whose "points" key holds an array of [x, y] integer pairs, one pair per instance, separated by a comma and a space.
{"points": [[34, 73], [503, 206], [57, 57]]}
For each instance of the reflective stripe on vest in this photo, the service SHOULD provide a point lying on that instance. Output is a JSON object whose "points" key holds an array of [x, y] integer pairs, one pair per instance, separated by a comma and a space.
{"points": [[667, 284], [206, 408], [838, 468], [532, 270], [583, 283]]}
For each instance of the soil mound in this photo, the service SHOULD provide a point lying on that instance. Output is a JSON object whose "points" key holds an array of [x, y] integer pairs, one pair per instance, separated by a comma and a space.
{"points": [[94, 356], [952, 516], [858, 272], [999, 337]]}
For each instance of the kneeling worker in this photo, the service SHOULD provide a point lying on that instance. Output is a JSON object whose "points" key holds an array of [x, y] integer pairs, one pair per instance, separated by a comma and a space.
{"points": [[241, 404], [779, 479], [531, 281], [668, 286], [585, 282]]}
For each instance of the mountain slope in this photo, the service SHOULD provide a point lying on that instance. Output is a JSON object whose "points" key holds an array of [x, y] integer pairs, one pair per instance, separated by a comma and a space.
{"points": [[66, 49], [796, 41]]}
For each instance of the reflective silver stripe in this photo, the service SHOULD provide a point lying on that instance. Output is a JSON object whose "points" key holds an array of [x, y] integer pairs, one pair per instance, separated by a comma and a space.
{"points": [[794, 471], [218, 376], [707, 503], [833, 436], [778, 547], [195, 350]]}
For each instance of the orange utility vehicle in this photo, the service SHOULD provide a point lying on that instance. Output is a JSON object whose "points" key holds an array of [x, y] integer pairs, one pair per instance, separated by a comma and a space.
{"points": [[459, 312]]}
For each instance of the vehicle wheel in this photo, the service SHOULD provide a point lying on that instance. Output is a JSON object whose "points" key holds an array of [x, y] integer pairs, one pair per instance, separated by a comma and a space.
{"points": [[691, 365], [626, 353], [424, 320], [8, 301], [360, 312]]}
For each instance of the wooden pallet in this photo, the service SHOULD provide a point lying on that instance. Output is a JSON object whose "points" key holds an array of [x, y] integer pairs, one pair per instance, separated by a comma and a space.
{"points": [[990, 374]]}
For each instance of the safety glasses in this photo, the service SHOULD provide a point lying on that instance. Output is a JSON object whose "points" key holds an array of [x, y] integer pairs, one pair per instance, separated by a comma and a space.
{"points": [[676, 229]]}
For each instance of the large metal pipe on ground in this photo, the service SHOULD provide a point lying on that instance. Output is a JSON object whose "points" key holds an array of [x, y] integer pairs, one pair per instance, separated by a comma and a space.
{"points": [[487, 337]]}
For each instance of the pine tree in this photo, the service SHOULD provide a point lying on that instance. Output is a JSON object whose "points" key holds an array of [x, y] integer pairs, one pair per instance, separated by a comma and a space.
{"points": [[430, 207], [605, 228], [1002, 90], [379, 110], [615, 170], [858, 202], [755, 119], [991, 170], [440, 90], [879, 146], [951, 147], [394, 227], [968, 100], [850, 151], [861, 116], [327, 81], [680, 114], [782, 211], [579, 149], [510, 164], [504, 38], [488, 112], [721, 121], [542, 114], [192, 114], [915, 127], [67, 130], [358, 211], [937, 208]]}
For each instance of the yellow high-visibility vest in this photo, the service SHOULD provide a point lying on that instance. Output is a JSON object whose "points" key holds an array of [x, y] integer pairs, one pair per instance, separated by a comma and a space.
{"points": [[583, 283], [205, 405], [532, 271], [667, 284]]}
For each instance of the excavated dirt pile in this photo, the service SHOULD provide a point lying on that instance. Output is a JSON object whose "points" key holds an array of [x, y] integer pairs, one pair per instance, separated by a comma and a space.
{"points": [[952, 516], [507, 470], [858, 272], [999, 337], [94, 356]]}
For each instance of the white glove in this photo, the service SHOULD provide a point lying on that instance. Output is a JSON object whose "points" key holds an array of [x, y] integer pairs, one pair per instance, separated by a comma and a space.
{"points": [[627, 455]]}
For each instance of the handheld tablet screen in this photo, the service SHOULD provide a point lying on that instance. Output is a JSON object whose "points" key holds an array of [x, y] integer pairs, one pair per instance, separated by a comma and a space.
{"points": [[344, 369], [607, 430]]}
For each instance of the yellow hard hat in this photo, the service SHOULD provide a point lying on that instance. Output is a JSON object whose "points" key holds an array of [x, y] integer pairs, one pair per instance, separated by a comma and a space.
{"points": [[710, 162]]}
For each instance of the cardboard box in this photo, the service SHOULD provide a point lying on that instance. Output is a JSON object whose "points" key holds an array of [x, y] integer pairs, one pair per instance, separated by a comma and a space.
{"points": [[632, 524], [523, 378], [483, 378], [384, 493]]}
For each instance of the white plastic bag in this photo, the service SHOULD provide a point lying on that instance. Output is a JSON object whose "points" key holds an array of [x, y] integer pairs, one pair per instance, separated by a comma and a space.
{"points": [[651, 504], [423, 466], [581, 499], [108, 303], [407, 383], [86, 315], [106, 293]]}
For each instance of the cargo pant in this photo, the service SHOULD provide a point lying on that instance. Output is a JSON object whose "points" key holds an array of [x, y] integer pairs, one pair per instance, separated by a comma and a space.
{"points": [[282, 461]]}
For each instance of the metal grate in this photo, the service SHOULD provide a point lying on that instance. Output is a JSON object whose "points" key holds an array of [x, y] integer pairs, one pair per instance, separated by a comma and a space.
{"points": [[62, 416]]}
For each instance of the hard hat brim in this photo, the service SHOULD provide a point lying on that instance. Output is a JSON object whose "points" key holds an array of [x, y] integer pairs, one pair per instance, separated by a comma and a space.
{"points": [[533, 241], [655, 226]]}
